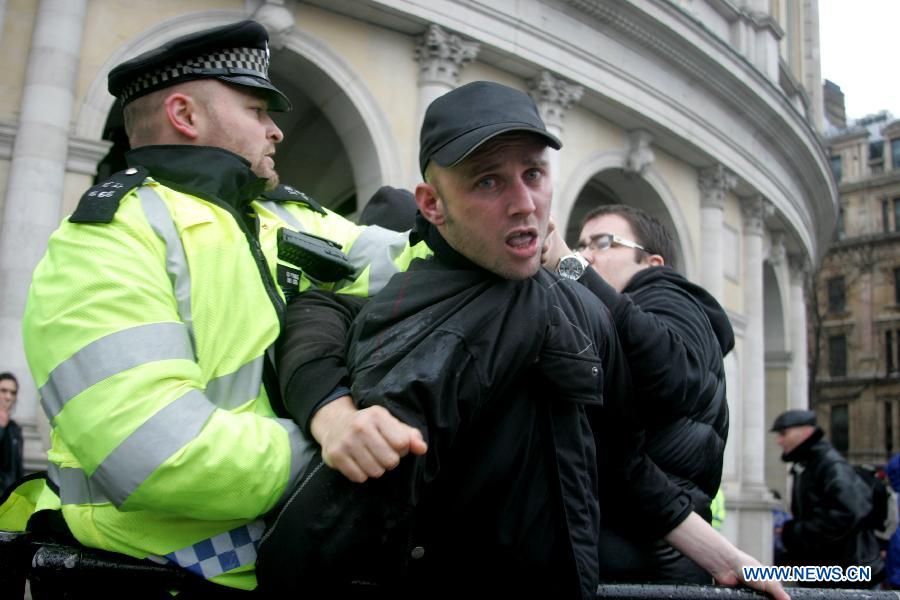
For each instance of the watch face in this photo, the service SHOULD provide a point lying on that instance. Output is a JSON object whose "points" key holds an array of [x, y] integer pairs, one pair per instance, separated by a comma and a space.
{"points": [[570, 268]]}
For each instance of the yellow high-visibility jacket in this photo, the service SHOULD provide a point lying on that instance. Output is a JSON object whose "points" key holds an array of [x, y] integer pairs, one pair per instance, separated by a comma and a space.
{"points": [[147, 336]]}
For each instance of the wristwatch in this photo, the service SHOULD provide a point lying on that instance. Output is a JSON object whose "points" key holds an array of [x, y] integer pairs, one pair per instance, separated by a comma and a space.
{"points": [[571, 266]]}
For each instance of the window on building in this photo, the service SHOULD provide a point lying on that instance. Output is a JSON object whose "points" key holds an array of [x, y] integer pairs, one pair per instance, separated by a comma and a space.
{"points": [[837, 355], [896, 214], [885, 215], [896, 286], [889, 427], [876, 157], [889, 352], [836, 166], [837, 301], [840, 223], [895, 153], [840, 428]]}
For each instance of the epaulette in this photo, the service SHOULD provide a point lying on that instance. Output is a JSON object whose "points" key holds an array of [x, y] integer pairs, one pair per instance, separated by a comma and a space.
{"points": [[285, 193], [100, 203]]}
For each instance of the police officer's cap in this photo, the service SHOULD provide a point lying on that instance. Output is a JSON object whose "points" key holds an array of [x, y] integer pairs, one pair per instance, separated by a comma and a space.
{"points": [[794, 418], [237, 54]]}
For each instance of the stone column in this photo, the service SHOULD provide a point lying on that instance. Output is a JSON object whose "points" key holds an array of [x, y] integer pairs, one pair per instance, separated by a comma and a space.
{"points": [[36, 174], [714, 183], [798, 395], [441, 56], [553, 97], [753, 503]]}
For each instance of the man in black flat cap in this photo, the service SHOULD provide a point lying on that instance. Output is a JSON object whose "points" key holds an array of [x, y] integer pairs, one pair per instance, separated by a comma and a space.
{"points": [[148, 320], [503, 367], [829, 503]]}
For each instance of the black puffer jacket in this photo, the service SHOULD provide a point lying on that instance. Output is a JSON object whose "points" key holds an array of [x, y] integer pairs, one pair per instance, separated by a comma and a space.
{"points": [[829, 503], [675, 335]]}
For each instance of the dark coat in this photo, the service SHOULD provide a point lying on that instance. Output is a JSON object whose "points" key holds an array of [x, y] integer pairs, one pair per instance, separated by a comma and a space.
{"points": [[829, 503], [11, 447], [892, 564], [675, 335]]}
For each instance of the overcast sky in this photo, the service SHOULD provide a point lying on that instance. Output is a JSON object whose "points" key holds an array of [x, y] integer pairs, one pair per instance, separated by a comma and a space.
{"points": [[858, 41]]}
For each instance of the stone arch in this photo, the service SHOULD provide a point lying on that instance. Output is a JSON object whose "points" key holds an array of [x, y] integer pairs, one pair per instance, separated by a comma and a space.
{"points": [[776, 324], [334, 103], [601, 179]]}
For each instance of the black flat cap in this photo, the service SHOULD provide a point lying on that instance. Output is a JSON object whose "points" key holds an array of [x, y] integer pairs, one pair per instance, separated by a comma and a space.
{"points": [[794, 418], [463, 119], [237, 54]]}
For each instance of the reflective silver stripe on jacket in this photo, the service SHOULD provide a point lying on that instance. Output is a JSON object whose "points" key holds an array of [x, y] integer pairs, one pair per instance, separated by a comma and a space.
{"points": [[282, 213], [303, 449], [234, 389], [161, 222], [74, 486], [226, 391], [111, 354], [377, 247], [139, 455]]}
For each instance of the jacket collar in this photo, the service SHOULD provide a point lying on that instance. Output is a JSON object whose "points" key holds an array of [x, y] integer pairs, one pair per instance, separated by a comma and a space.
{"points": [[443, 251], [203, 171], [807, 448]]}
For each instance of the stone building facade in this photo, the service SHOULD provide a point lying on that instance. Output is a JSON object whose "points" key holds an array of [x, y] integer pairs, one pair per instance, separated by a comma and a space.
{"points": [[705, 112], [855, 321]]}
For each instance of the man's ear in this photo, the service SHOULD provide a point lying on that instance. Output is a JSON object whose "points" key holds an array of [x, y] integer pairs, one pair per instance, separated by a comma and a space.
{"points": [[430, 204], [655, 260], [181, 112]]}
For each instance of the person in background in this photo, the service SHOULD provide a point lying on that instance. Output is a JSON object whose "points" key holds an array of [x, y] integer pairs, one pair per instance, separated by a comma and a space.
{"points": [[11, 444], [717, 508], [829, 503], [391, 208], [674, 335], [892, 560], [779, 518]]}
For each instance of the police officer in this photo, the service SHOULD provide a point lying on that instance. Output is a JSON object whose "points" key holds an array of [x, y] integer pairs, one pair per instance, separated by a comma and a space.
{"points": [[149, 318]]}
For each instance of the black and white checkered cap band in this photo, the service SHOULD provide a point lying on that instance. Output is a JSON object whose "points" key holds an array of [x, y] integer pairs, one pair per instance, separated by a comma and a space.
{"points": [[231, 61]]}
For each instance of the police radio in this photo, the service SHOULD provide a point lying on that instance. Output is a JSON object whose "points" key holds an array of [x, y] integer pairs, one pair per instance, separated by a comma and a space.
{"points": [[319, 258]]}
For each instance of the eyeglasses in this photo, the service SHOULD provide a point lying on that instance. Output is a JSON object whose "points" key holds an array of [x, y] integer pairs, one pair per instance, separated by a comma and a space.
{"points": [[602, 241]]}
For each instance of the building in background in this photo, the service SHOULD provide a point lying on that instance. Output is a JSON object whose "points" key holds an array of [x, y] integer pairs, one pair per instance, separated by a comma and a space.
{"points": [[855, 317], [707, 113]]}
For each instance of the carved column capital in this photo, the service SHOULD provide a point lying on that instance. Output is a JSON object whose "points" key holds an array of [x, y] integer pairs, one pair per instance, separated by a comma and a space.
{"points": [[799, 268], [715, 182], [553, 97], [640, 155], [755, 209], [441, 55], [277, 20], [777, 251]]}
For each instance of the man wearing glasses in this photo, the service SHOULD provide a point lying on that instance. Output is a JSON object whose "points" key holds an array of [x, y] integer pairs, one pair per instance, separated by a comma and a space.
{"points": [[674, 335]]}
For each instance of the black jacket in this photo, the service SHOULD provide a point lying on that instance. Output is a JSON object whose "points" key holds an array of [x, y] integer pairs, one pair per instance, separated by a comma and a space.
{"points": [[675, 335], [829, 503], [11, 448], [504, 378]]}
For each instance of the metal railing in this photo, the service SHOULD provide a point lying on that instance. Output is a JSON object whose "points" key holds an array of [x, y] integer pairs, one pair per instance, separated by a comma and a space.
{"points": [[53, 569]]}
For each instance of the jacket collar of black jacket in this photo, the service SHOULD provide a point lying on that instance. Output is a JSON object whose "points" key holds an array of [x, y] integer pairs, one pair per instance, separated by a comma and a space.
{"points": [[443, 251], [203, 171], [807, 448]]}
